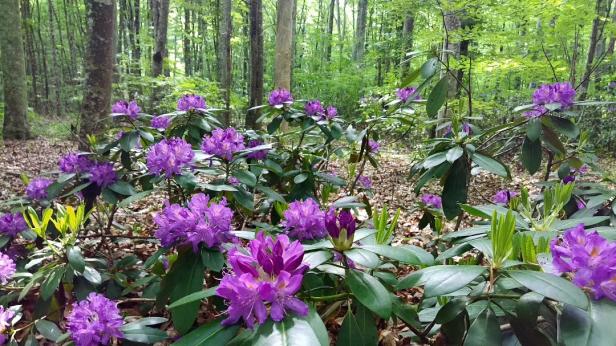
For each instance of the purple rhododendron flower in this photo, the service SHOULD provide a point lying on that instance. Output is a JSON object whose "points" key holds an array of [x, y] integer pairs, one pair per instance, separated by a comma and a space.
{"points": [[191, 102], [37, 188], [330, 113], [7, 268], [365, 182], [503, 197], [589, 257], [160, 122], [223, 143], [169, 157], [130, 109], [568, 179], [75, 163], [265, 279], [259, 154], [304, 220], [103, 174], [233, 181], [405, 93], [95, 320], [6, 317], [373, 146], [314, 108], [562, 93], [202, 222], [466, 128], [336, 223], [580, 203], [12, 224], [433, 201], [280, 97]]}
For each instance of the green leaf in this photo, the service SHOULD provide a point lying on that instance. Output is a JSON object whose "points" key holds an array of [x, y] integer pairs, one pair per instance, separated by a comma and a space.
{"points": [[134, 198], [212, 259], [193, 297], [531, 155], [143, 334], [274, 125], [271, 194], [437, 97], [92, 275], [363, 257], [48, 329], [211, 333], [367, 325], [315, 258], [75, 259], [551, 286], [293, 330], [451, 310], [442, 279], [429, 68], [592, 328], [533, 131], [51, 283], [410, 255], [564, 126], [370, 292], [123, 188], [349, 333], [491, 165], [246, 177], [435, 160], [485, 330], [454, 153], [455, 190], [550, 138]]}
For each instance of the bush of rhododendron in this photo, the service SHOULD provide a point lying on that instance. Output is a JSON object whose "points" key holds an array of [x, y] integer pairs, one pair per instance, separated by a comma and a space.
{"points": [[259, 240]]}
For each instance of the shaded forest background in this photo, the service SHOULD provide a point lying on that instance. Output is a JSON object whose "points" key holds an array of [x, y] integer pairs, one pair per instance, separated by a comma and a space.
{"points": [[341, 51]]}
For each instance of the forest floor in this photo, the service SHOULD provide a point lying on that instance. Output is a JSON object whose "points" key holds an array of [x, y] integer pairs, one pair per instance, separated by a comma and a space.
{"points": [[392, 187]]}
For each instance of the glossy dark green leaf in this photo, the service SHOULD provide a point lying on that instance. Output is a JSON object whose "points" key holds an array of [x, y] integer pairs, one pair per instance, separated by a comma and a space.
{"points": [[435, 159], [143, 334], [429, 68], [531, 155], [51, 282], [455, 190], [485, 330], [246, 177], [451, 310], [551, 140], [442, 279], [193, 297], [123, 188], [454, 153], [212, 259], [491, 165], [349, 333], [367, 325], [48, 329], [594, 327], [211, 333], [564, 126], [551, 286], [410, 255], [437, 97], [369, 291], [363, 257], [92, 275], [533, 130], [75, 259]]}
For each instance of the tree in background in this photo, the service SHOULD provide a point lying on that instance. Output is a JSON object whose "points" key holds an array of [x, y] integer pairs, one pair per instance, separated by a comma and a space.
{"points": [[224, 57], [99, 68], [284, 43], [360, 31], [13, 72], [256, 62], [160, 19]]}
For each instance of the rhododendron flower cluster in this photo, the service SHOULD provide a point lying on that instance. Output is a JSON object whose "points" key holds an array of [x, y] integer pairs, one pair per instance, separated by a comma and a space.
{"points": [[203, 222], [12, 224], [130, 109], [562, 93], [330, 113], [304, 220], [404, 94], [264, 280], [280, 97], [341, 228], [169, 157], [75, 163], [7, 268], [94, 321], [223, 143], [259, 154], [6, 316], [433, 201], [160, 122], [364, 182], [103, 174], [590, 258], [503, 197], [191, 102], [373, 146], [37, 188]]}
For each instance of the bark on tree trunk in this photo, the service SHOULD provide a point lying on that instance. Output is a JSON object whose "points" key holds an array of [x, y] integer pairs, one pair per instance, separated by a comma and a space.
{"points": [[160, 17], [595, 36], [360, 31], [284, 44], [57, 79], [187, 50], [407, 42], [224, 57], [256, 62], [14, 72], [99, 69], [330, 30], [31, 55]]}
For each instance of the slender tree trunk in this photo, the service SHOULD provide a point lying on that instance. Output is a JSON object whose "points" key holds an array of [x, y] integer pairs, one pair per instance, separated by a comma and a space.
{"points": [[99, 69], [360, 31], [330, 30], [284, 44], [451, 48], [43, 52], [13, 72], [187, 36], [256, 62], [30, 53], [136, 41], [224, 57], [595, 36], [160, 17], [57, 76], [407, 42]]}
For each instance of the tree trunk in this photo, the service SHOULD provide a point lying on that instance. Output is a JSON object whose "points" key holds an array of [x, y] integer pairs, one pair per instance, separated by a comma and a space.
{"points": [[256, 62], [407, 43], [160, 18], [595, 36], [135, 40], [187, 34], [13, 72], [330, 30], [360, 31], [57, 76], [284, 44], [99, 69], [30, 53], [224, 57]]}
